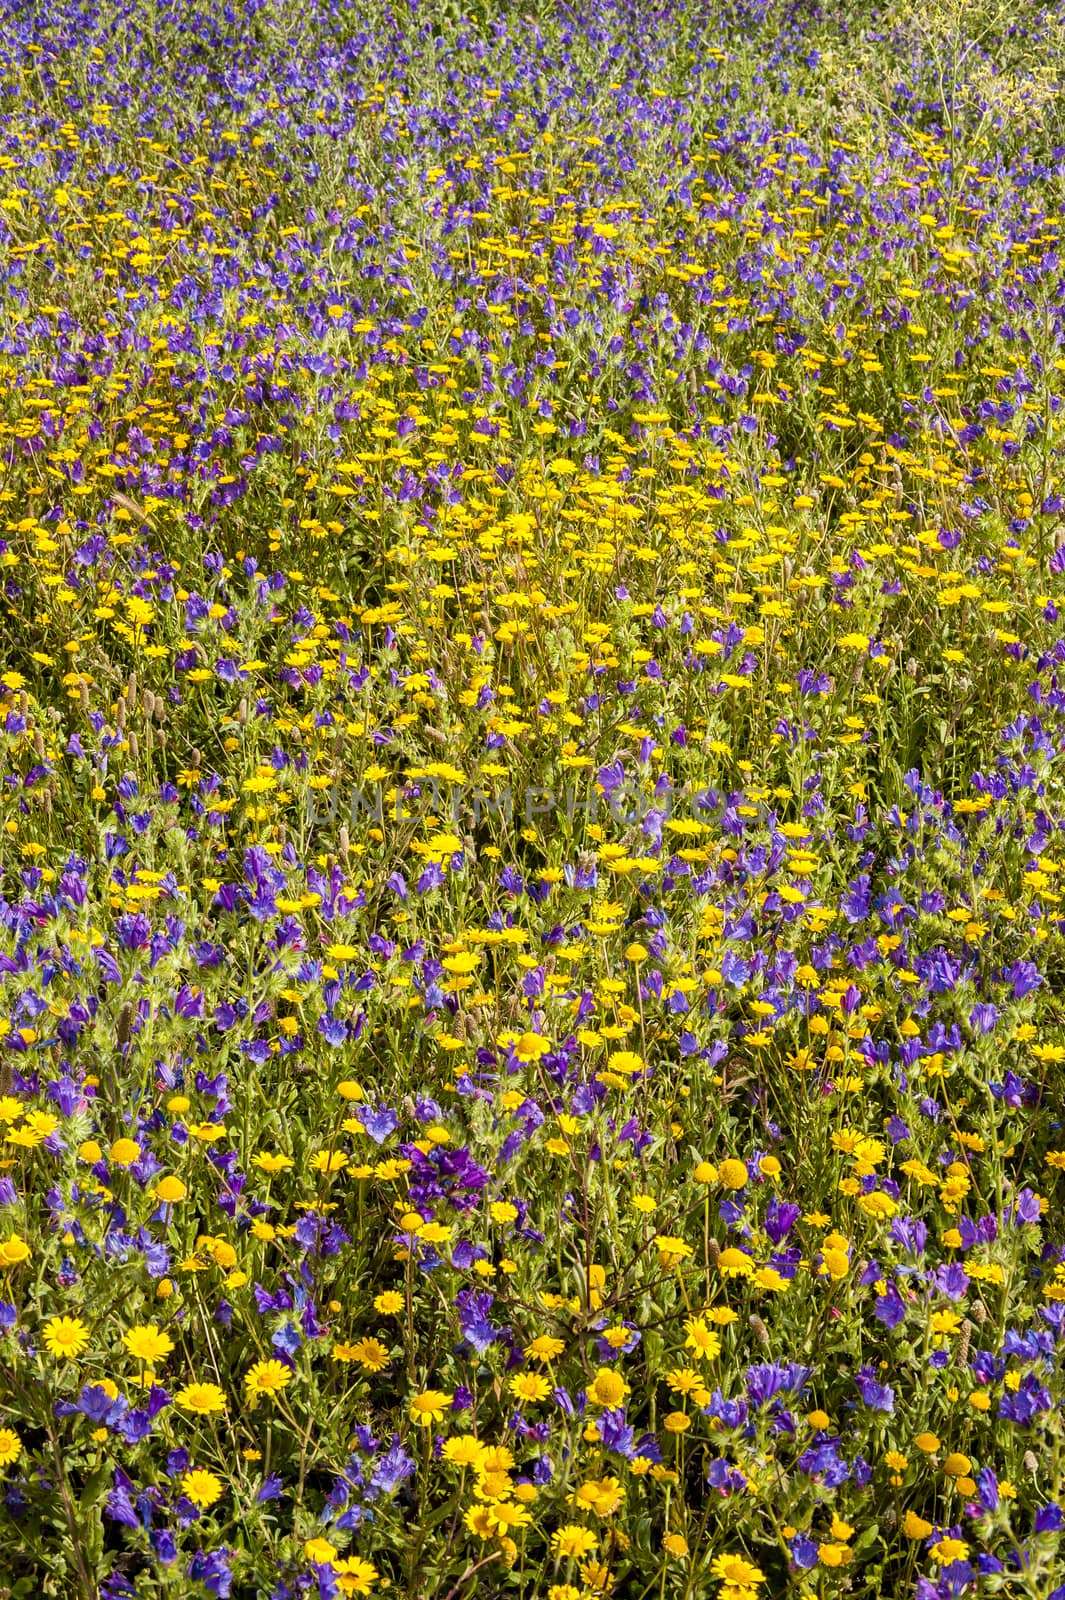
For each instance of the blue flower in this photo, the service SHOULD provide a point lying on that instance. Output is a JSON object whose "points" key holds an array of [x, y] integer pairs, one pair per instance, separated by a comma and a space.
{"points": [[879, 1396]]}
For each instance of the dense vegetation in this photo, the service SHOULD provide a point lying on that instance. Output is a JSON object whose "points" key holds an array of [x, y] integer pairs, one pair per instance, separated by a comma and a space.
{"points": [[531, 950]]}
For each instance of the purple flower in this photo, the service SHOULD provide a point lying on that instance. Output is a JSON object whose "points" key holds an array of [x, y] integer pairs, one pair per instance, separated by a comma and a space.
{"points": [[780, 1218], [1049, 1519], [1025, 977], [987, 1489], [803, 1552], [212, 1569], [951, 1280], [394, 1468], [889, 1307], [473, 1306], [879, 1396], [616, 1434], [164, 1545], [910, 1233], [379, 1124], [771, 1378], [983, 1017]]}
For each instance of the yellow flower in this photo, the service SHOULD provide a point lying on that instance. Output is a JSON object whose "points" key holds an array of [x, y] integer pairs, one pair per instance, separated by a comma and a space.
{"points": [[478, 1520], [915, 1527], [625, 1062], [463, 1450], [701, 1339], [207, 1132], [502, 1211], [598, 1578], [370, 1354], [124, 1152], [270, 1161], [735, 1263], [737, 1573], [170, 1190], [530, 1387], [675, 1545], [947, 1550], [147, 1343], [608, 1388], [834, 1555], [65, 1337], [671, 1251], [835, 1263], [266, 1377], [429, 1407], [205, 1399], [529, 1047], [508, 1514], [320, 1551], [601, 1495], [202, 1488], [14, 1251], [354, 1575], [10, 1446], [544, 1348], [732, 1173], [389, 1303], [27, 1137], [573, 1542], [462, 964], [329, 1161]]}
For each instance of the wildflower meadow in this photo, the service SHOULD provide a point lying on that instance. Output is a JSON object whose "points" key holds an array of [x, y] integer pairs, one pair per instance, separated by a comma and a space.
{"points": [[532, 794]]}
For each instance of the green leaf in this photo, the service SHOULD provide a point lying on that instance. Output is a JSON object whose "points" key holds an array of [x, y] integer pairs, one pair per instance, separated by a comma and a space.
{"points": [[96, 1487]]}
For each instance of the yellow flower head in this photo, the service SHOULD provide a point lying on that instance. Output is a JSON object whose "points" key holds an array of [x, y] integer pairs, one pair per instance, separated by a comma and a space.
{"points": [[573, 1542], [429, 1407], [65, 1337], [148, 1344], [13, 1251], [205, 1399], [266, 1377], [608, 1388], [202, 1488]]}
